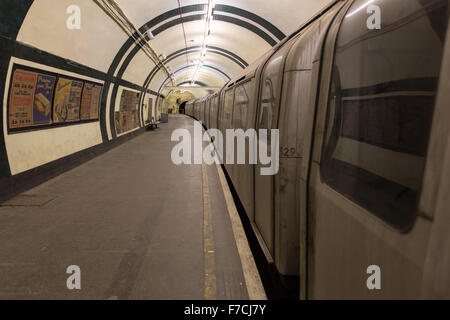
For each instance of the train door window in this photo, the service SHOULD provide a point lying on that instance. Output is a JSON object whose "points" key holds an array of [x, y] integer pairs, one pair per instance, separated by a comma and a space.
{"points": [[381, 106], [220, 111], [241, 103], [207, 110], [270, 95], [216, 111], [228, 108], [212, 113]]}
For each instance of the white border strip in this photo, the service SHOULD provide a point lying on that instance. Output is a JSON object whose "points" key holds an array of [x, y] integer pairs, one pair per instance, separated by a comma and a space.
{"points": [[253, 281]]}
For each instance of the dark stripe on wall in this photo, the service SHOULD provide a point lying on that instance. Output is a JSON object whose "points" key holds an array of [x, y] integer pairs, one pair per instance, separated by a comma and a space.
{"points": [[19, 50], [205, 66], [236, 59], [186, 67], [181, 52], [248, 26], [22, 51], [14, 185], [175, 22], [210, 50], [240, 61], [185, 10], [229, 53], [171, 14], [164, 17], [149, 25], [12, 14], [215, 50], [198, 17], [155, 70], [253, 17], [25, 52], [119, 56]]}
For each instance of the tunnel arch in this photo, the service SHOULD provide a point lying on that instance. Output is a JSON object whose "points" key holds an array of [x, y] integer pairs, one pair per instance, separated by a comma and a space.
{"points": [[163, 22], [215, 50], [182, 69], [35, 32]]}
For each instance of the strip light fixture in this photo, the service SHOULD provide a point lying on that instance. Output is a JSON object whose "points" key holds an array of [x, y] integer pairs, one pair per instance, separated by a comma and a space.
{"points": [[206, 35]]}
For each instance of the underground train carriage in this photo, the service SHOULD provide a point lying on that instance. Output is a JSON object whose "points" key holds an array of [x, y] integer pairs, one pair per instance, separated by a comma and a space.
{"points": [[355, 108]]}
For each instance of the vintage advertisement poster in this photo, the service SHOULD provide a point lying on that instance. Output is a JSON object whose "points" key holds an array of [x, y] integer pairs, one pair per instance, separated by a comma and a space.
{"points": [[136, 119], [117, 122], [62, 94], [129, 116], [95, 102], [67, 100], [43, 96], [90, 101], [123, 118], [21, 99], [73, 110], [86, 102]]}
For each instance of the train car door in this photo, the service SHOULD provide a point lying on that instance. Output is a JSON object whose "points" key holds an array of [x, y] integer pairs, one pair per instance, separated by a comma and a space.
{"points": [[227, 123], [366, 239], [267, 120], [435, 201]]}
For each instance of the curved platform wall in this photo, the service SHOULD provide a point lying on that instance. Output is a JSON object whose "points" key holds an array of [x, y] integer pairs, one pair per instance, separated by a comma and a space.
{"points": [[34, 35]]}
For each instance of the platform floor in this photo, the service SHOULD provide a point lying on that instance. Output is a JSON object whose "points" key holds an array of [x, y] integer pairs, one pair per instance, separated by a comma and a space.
{"points": [[135, 225]]}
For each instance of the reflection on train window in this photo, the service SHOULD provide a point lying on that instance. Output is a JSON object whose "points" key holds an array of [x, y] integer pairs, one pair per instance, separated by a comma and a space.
{"points": [[213, 113], [197, 111], [381, 107], [241, 103], [207, 110], [228, 108], [271, 85], [267, 105]]}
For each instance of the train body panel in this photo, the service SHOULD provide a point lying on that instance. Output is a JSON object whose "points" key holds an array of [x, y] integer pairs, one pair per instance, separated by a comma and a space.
{"points": [[295, 102], [214, 109], [434, 202], [354, 109], [206, 112], [247, 85], [267, 119], [369, 153]]}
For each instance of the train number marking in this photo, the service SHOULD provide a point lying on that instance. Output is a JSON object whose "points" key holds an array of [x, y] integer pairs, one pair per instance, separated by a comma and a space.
{"points": [[287, 152]]}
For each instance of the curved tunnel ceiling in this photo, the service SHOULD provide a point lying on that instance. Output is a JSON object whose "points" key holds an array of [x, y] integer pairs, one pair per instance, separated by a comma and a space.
{"points": [[241, 31]]}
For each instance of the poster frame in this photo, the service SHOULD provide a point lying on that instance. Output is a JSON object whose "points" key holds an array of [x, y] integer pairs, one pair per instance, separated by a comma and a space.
{"points": [[136, 113], [51, 125]]}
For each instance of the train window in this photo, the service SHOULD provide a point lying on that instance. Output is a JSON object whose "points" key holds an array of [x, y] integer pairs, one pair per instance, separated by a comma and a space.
{"points": [[228, 108], [241, 103], [271, 83], [207, 109], [214, 119], [381, 105]]}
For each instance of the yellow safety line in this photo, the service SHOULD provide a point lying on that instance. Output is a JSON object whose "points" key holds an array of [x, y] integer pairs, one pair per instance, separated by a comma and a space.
{"points": [[252, 279], [210, 285]]}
